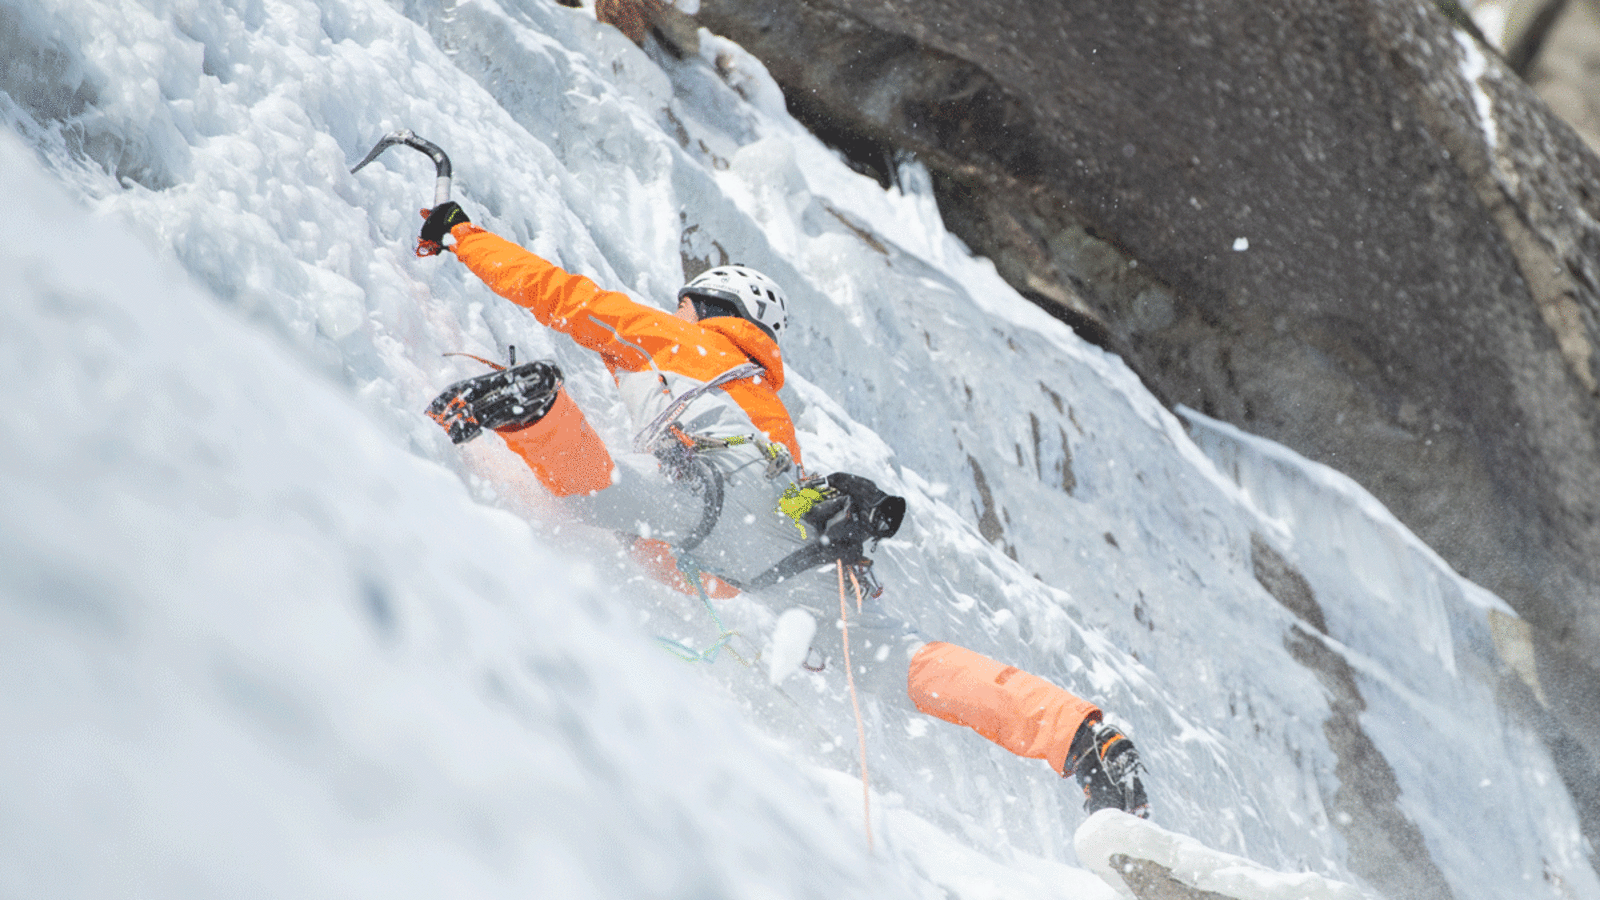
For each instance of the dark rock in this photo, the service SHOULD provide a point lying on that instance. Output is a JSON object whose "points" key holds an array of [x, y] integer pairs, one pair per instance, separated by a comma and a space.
{"points": [[1386, 848], [1285, 583], [1152, 881]]}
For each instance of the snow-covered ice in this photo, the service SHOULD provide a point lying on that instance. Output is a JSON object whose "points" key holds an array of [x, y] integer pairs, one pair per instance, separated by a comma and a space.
{"points": [[1114, 844], [265, 632]]}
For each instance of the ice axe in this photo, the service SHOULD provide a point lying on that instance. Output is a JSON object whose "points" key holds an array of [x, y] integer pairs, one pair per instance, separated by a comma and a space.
{"points": [[441, 164]]}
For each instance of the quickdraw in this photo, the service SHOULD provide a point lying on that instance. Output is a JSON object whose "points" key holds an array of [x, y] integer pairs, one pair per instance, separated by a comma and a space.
{"points": [[680, 455], [646, 439]]}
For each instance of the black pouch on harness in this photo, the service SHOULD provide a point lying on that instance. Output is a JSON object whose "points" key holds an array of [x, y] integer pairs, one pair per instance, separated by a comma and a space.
{"points": [[870, 514], [853, 510]]}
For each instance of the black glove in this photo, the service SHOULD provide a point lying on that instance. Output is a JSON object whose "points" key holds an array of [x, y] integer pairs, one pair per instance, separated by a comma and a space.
{"points": [[444, 217]]}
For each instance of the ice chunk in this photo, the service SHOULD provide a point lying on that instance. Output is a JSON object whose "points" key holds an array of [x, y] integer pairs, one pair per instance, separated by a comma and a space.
{"points": [[791, 640]]}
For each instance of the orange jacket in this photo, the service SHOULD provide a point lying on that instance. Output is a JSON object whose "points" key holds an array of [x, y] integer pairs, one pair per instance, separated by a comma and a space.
{"points": [[630, 336]]}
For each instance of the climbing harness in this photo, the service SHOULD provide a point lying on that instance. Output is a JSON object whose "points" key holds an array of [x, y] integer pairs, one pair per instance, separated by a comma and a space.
{"points": [[844, 511], [681, 453], [681, 462]]}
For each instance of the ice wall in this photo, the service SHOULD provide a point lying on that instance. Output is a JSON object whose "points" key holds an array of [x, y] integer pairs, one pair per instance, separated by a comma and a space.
{"points": [[1061, 518]]}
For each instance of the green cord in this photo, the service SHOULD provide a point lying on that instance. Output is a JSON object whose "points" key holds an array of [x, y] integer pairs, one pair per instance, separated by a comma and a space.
{"points": [[683, 651]]}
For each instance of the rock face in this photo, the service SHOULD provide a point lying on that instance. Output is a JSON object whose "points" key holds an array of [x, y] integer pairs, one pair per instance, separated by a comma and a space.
{"points": [[1339, 224]]}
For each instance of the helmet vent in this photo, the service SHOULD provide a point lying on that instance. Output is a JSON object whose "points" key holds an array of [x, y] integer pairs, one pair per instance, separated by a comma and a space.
{"points": [[747, 293]]}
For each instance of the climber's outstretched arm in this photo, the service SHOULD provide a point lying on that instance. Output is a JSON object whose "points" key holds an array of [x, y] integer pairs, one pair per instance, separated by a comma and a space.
{"points": [[628, 334]]}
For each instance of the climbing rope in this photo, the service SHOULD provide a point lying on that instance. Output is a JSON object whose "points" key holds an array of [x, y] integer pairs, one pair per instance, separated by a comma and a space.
{"points": [[855, 702]]}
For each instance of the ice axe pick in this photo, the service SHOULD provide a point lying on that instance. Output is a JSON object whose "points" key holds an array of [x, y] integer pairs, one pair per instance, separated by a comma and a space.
{"points": [[441, 164]]}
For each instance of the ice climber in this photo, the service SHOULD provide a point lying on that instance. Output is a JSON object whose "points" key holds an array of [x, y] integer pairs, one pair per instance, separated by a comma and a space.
{"points": [[713, 489]]}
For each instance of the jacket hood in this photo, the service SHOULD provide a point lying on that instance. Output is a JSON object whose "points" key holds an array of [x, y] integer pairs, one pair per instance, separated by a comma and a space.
{"points": [[753, 342]]}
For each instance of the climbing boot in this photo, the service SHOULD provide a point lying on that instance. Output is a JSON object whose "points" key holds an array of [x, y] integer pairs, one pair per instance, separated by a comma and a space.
{"points": [[508, 398], [1107, 767]]}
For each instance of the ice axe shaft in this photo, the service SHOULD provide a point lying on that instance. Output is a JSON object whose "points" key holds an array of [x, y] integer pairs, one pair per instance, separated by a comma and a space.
{"points": [[441, 162]]}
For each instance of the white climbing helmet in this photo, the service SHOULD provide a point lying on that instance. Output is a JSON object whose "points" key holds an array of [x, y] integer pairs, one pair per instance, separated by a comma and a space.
{"points": [[739, 291]]}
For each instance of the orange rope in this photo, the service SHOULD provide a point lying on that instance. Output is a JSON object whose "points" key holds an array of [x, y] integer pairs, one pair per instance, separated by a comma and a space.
{"points": [[493, 365], [850, 676]]}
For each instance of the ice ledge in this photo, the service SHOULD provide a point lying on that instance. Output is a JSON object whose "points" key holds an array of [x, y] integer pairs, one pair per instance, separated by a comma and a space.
{"points": [[1144, 861]]}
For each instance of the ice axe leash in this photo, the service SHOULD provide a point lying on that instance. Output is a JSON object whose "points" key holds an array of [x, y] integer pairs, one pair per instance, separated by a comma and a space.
{"points": [[498, 367], [441, 181]]}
